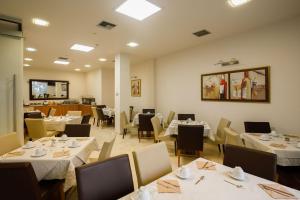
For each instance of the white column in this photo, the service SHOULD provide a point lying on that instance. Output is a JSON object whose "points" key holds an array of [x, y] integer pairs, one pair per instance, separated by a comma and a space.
{"points": [[122, 87]]}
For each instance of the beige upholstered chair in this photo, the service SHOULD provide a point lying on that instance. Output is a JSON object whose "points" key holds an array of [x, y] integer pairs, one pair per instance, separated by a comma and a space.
{"points": [[95, 114], [8, 143], [36, 129], [232, 137], [148, 169], [74, 113], [104, 153], [125, 125], [52, 112], [170, 118], [220, 135]]}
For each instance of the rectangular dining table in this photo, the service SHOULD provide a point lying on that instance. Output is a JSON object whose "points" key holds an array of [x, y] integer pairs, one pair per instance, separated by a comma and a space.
{"points": [[58, 123], [213, 186], [49, 167], [108, 111], [287, 152]]}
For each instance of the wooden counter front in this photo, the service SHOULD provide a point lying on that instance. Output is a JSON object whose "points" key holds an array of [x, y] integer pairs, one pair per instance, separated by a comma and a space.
{"points": [[62, 109]]}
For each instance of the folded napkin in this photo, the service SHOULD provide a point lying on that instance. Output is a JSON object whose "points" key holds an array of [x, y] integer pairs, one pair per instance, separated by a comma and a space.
{"points": [[168, 186], [205, 165], [14, 154], [276, 191], [280, 146], [82, 138], [58, 154], [256, 134], [46, 139]]}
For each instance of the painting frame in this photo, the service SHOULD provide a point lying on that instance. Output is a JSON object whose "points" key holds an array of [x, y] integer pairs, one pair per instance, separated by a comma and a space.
{"points": [[136, 88], [244, 85]]}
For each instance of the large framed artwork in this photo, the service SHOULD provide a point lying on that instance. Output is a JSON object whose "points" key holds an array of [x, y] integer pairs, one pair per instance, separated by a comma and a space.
{"points": [[136, 88], [247, 85]]}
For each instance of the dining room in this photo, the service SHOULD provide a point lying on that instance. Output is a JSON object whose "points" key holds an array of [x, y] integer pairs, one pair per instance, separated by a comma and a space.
{"points": [[100, 101]]}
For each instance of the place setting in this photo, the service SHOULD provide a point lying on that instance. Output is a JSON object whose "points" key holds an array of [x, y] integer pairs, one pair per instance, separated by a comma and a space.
{"points": [[184, 173], [206, 165], [144, 193], [39, 152], [277, 191], [29, 145]]}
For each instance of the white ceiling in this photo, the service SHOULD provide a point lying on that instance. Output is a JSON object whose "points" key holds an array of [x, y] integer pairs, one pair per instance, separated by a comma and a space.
{"points": [[170, 30]]}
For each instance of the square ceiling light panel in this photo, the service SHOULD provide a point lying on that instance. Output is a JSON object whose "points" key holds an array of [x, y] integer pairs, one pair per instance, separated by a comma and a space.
{"points": [[138, 9], [236, 3], [80, 47]]}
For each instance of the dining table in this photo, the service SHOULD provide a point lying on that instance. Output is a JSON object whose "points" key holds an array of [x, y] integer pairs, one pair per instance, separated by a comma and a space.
{"points": [[110, 112], [58, 123], [59, 159], [284, 146], [173, 127], [210, 181], [135, 120]]}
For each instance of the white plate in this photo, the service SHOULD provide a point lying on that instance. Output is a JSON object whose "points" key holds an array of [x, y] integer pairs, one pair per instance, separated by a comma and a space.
{"points": [[182, 177], [236, 178], [40, 155], [71, 146], [265, 139], [134, 196], [26, 147]]}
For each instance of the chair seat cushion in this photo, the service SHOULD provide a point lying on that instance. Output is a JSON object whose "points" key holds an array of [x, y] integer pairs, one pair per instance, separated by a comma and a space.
{"points": [[93, 157]]}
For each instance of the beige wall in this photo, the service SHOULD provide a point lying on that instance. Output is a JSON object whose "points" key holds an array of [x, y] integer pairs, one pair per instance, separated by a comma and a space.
{"points": [[77, 87], [178, 77], [108, 87], [145, 72], [94, 84]]}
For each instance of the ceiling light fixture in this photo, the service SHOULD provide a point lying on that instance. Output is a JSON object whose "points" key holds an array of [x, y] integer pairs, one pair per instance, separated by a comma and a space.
{"points": [[30, 49], [40, 22], [87, 66], [62, 62], [236, 3], [138, 9], [28, 59], [80, 47], [132, 44], [77, 69], [102, 59], [26, 65]]}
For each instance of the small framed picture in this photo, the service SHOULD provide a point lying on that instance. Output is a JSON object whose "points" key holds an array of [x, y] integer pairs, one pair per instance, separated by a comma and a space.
{"points": [[214, 86], [136, 88]]}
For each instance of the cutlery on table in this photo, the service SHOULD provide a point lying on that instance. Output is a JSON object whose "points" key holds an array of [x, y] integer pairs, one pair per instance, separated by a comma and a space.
{"points": [[200, 179], [236, 185], [277, 191]]}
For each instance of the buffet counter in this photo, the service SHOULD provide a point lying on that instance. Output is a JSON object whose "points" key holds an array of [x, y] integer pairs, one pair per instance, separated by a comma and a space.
{"points": [[62, 109]]}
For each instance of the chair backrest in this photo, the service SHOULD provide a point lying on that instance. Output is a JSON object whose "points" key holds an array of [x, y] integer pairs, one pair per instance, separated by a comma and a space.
{"points": [[106, 180], [101, 106], [9, 142], [232, 137], [259, 163], [106, 150], [186, 116], [52, 112], [157, 128], [94, 111], [74, 113], [149, 110], [36, 128], [170, 117], [223, 123], [100, 114], [34, 115], [190, 137], [78, 130], [257, 127], [145, 122], [18, 181], [147, 169], [85, 119]]}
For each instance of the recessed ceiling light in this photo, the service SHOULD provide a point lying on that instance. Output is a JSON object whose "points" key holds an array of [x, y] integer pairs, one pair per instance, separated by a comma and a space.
{"points": [[40, 22], [102, 59], [62, 62], [30, 49], [235, 3], [132, 44], [77, 69], [80, 47], [26, 65], [138, 9], [87, 66], [28, 59]]}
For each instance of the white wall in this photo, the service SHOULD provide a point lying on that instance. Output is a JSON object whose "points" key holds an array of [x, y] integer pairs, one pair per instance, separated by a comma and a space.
{"points": [[77, 87], [108, 87], [145, 72], [178, 77], [94, 84]]}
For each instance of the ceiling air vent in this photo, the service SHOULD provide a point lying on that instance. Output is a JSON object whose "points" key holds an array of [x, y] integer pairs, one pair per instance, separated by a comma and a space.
{"points": [[106, 25], [62, 58], [201, 33]]}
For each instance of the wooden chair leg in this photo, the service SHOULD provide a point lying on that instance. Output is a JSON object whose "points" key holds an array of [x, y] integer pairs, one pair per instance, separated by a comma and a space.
{"points": [[94, 121], [124, 133], [175, 146], [139, 136], [178, 155], [223, 147], [219, 148]]}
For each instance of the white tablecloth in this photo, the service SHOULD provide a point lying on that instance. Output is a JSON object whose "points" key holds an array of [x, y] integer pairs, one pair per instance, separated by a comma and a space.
{"points": [[49, 168], [108, 111], [173, 127], [289, 156], [213, 186], [135, 120], [59, 123]]}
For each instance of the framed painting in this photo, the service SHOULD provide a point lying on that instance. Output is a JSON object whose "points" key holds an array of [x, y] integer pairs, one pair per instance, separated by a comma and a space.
{"points": [[250, 85], [215, 86], [136, 88]]}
